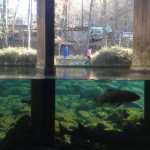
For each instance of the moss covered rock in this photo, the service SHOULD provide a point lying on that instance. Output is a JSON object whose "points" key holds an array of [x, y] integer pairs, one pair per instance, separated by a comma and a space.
{"points": [[83, 114]]}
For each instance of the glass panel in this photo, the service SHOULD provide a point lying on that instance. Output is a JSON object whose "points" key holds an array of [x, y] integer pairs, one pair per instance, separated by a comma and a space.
{"points": [[18, 32], [15, 98], [93, 32], [99, 113]]}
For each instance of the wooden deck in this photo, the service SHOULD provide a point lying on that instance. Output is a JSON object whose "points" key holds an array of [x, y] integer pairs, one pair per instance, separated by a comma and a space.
{"points": [[70, 61]]}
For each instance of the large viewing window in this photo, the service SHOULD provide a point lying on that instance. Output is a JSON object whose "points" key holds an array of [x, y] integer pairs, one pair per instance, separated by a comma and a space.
{"points": [[18, 33], [15, 102], [103, 26], [94, 116]]}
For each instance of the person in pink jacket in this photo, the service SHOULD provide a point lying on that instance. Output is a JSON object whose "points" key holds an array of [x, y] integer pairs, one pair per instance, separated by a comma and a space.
{"points": [[88, 54]]}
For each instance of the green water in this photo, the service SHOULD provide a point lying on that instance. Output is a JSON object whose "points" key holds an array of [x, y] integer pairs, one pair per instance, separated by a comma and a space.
{"points": [[75, 105], [12, 91]]}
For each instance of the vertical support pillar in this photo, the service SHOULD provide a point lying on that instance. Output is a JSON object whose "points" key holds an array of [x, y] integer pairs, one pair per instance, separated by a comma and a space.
{"points": [[43, 90], [45, 35], [141, 43], [43, 110], [147, 105]]}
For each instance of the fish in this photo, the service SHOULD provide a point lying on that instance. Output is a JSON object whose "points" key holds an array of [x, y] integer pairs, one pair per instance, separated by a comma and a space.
{"points": [[117, 96], [114, 139]]}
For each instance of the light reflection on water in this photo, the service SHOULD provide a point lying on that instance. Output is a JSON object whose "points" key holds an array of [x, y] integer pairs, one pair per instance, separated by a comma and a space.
{"points": [[97, 73], [85, 73]]}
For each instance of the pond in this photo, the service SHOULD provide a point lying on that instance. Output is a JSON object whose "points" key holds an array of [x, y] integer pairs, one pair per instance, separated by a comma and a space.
{"points": [[76, 72]]}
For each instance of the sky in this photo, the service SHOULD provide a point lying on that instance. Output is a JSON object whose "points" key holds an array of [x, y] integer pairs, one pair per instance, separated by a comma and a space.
{"points": [[23, 7]]}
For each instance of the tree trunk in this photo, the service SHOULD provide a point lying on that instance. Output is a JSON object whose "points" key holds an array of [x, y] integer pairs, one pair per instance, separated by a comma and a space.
{"points": [[64, 20], [5, 41], [126, 16], [82, 15], [104, 20], [14, 18], [29, 23], [116, 6], [89, 23]]}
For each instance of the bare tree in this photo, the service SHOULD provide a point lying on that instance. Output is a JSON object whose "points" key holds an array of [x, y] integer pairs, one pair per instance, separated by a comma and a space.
{"points": [[89, 23], [14, 16], [82, 5], [116, 8], [29, 22], [104, 18], [5, 41]]}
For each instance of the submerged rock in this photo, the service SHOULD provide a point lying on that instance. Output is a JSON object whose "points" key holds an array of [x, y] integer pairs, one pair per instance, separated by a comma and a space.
{"points": [[83, 114]]}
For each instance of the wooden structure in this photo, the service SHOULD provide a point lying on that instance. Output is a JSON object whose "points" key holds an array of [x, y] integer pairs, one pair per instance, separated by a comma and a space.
{"points": [[45, 35], [43, 90], [141, 54], [147, 105]]}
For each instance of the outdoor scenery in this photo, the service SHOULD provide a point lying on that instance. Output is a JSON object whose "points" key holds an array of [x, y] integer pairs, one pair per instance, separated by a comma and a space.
{"points": [[87, 32], [93, 32], [18, 32], [90, 115]]}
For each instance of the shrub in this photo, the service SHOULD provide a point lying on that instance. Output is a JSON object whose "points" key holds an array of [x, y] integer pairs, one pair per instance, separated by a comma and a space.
{"points": [[18, 56], [112, 56]]}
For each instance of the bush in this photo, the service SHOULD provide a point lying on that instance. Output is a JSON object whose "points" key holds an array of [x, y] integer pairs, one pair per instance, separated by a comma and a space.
{"points": [[18, 56], [112, 56]]}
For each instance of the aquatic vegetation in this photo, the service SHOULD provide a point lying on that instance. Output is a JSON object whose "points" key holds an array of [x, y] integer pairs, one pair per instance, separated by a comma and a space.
{"points": [[12, 91], [21, 135], [79, 120], [95, 121], [102, 115], [68, 125], [83, 114], [82, 106], [134, 122], [60, 116], [98, 124]]}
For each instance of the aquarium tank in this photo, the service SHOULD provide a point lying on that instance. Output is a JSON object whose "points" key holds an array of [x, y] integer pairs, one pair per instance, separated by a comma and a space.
{"points": [[89, 114], [15, 98], [99, 114]]}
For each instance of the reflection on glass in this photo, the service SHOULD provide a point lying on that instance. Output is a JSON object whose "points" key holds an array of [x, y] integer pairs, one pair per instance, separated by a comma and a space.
{"points": [[105, 27], [15, 98], [18, 32], [99, 112]]}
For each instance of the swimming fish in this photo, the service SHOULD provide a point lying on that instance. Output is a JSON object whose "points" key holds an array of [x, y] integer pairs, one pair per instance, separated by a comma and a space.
{"points": [[117, 96]]}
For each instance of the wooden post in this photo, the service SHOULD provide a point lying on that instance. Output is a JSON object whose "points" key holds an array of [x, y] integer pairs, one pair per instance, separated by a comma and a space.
{"points": [[43, 110], [147, 105], [141, 43], [43, 90], [45, 35]]}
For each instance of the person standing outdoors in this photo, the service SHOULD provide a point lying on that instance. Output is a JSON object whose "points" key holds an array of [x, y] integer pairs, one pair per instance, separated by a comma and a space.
{"points": [[65, 52], [88, 54]]}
